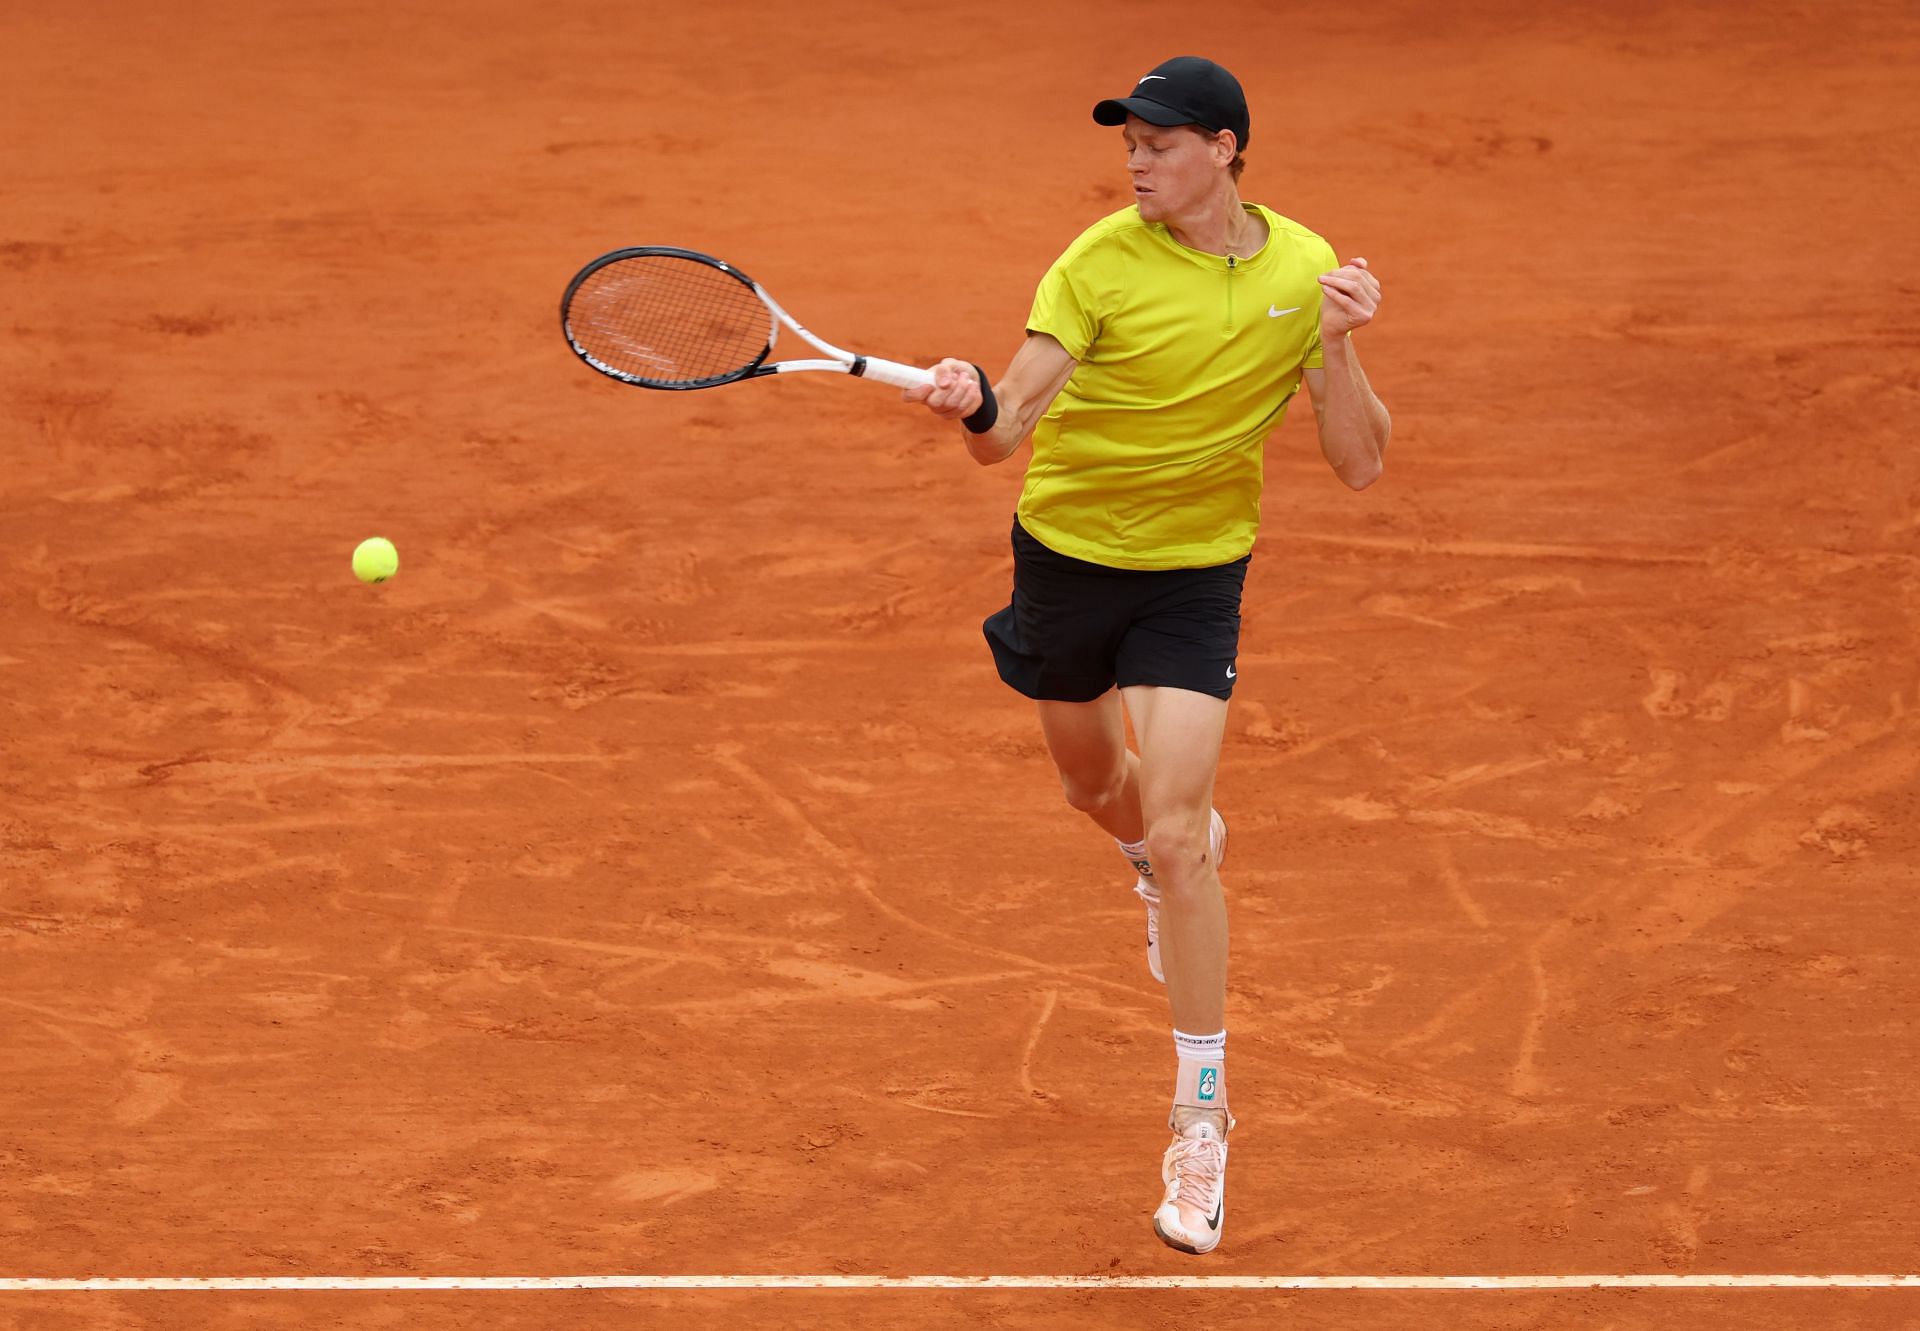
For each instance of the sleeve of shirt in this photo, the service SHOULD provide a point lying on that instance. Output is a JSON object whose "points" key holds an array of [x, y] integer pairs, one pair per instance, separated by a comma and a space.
{"points": [[1062, 310], [1316, 350]]}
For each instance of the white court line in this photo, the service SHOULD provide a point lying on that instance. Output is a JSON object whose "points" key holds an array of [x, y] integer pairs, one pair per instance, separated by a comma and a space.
{"points": [[483, 1283]]}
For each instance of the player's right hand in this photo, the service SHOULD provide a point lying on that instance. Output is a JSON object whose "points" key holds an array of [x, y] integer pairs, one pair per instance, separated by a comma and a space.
{"points": [[954, 394]]}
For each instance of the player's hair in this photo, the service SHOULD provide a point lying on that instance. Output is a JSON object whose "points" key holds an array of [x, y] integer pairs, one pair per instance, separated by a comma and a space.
{"points": [[1239, 162]]}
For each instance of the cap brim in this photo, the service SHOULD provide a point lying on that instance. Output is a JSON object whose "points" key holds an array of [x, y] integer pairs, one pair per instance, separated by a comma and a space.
{"points": [[1115, 110]]}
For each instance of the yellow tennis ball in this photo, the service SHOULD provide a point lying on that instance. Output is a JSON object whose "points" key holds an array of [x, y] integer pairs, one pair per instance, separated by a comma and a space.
{"points": [[375, 559]]}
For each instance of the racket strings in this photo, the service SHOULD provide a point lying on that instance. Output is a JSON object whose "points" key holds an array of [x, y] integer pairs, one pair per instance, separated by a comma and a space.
{"points": [[668, 320]]}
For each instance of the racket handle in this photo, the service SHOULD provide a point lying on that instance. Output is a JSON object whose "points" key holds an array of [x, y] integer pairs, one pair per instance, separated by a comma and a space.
{"points": [[892, 372]]}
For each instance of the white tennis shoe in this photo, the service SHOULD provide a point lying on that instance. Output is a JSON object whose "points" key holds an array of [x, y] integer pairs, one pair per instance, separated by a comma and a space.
{"points": [[1194, 1171], [1150, 893]]}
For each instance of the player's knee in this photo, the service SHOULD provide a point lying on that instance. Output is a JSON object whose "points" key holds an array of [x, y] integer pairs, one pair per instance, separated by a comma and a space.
{"points": [[1177, 847], [1092, 795]]}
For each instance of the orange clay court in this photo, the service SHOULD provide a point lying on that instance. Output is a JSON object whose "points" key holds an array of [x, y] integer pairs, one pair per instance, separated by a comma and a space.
{"points": [[654, 877]]}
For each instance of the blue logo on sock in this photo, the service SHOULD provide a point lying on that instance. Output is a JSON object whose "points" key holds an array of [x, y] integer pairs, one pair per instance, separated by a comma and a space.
{"points": [[1209, 1083]]}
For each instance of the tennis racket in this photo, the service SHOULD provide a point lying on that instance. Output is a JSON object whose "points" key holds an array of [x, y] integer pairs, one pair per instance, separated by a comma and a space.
{"points": [[659, 317]]}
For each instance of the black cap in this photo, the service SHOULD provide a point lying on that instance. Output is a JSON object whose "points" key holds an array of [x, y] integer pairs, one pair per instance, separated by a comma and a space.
{"points": [[1186, 90]]}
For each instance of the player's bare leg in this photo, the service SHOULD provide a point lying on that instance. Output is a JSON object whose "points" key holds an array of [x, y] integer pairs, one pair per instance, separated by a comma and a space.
{"points": [[1180, 733], [1101, 777], [1098, 773]]}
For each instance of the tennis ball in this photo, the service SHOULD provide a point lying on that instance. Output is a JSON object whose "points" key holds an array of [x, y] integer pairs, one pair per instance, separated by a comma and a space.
{"points": [[375, 559]]}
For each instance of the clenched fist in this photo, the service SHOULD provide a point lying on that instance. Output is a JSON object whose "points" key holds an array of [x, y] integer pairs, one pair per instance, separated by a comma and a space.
{"points": [[1349, 295]]}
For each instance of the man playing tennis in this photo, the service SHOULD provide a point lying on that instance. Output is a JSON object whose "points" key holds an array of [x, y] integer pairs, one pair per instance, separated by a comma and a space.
{"points": [[1161, 351]]}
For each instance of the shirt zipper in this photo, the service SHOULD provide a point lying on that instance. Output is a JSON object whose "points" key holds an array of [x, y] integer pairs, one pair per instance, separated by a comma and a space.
{"points": [[1233, 266]]}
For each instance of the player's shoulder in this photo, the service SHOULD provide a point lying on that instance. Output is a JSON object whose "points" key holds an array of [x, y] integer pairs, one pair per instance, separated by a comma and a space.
{"points": [[1295, 235], [1110, 237]]}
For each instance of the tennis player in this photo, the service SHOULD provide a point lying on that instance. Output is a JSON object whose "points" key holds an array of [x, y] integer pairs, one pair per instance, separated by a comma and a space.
{"points": [[1161, 351]]}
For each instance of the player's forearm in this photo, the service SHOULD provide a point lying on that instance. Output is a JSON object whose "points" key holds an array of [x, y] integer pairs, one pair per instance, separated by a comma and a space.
{"points": [[1034, 378], [1355, 425], [1015, 423]]}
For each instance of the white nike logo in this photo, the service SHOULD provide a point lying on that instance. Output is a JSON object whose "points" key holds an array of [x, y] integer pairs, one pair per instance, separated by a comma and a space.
{"points": [[1230, 672], [1151, 77], [1275, 314]]}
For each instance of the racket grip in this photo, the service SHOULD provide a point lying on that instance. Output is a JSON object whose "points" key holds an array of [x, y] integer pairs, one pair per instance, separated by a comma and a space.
{"points": [[893, 372], [984, 418]]}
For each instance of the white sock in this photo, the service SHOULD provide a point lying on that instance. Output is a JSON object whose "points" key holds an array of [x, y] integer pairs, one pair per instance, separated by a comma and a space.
{"points": [[1201, 1048]]}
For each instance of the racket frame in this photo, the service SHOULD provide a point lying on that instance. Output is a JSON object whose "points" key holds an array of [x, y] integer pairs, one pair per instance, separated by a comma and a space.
{"points": [[840, 361]]}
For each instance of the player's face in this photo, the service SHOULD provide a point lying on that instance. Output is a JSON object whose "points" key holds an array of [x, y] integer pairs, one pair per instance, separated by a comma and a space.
{"points": [[1174, 169]]}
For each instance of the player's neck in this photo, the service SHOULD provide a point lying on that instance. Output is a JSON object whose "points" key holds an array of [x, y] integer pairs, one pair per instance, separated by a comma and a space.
{"points": [[1221, 226]]}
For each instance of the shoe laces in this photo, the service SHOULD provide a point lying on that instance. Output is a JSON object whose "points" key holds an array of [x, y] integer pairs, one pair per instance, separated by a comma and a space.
{"points": [[1198, 1163]]}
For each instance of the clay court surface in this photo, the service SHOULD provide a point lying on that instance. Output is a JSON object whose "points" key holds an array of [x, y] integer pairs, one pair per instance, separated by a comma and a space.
{"points": [[654, 877]]}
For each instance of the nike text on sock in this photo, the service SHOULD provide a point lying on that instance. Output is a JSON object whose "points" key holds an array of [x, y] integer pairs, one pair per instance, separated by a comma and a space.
{"points": [[1201, 1048]]}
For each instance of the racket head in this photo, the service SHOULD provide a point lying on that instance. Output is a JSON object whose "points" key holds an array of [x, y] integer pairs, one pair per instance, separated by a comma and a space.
{"points": [[656, 316]]}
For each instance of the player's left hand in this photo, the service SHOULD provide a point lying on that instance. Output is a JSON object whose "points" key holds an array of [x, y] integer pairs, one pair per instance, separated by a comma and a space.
{"points": [[1349, 296]]}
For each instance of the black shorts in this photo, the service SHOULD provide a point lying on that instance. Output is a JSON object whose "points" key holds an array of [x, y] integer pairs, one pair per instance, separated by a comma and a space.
{"points": [[1076, 629]]}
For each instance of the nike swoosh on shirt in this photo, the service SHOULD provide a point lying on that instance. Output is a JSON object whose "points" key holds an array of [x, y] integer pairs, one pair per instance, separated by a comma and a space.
{"points": [[1275, 314]]}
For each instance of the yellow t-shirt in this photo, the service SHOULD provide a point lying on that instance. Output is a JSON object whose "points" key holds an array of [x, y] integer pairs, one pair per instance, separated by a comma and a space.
{"points": [[1150, 457]]}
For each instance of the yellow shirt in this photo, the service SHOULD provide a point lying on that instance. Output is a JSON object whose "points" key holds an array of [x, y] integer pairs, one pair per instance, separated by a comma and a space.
{"points": [[1150, 457]]}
